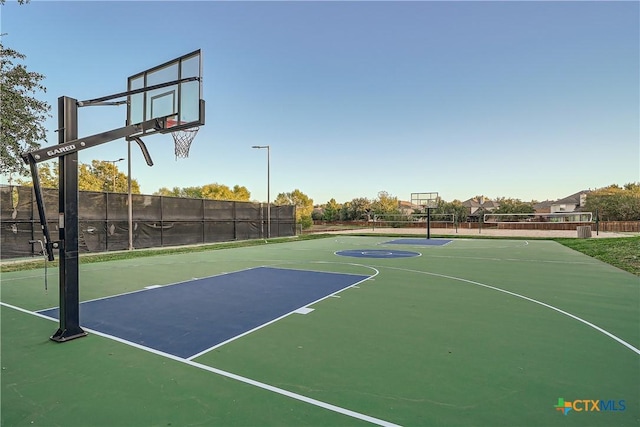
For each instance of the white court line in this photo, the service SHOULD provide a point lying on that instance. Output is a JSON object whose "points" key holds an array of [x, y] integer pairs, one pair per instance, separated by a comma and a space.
{"points": [[573, 316], [230, 375]]}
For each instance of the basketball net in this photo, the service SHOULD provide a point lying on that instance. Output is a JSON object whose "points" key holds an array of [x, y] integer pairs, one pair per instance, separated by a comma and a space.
{"points": [[183, 139]]}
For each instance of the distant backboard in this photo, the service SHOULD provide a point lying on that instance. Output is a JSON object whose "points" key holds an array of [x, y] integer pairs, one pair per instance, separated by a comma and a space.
{"points": [[174, 91], [425, 200]]}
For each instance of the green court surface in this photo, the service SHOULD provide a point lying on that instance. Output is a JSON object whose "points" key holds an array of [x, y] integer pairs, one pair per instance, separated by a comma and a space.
{"points": [[474, 333]]}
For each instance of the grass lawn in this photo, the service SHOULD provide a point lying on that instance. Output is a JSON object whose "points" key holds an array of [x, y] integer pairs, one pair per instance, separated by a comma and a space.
{"points": [[623, 252]]}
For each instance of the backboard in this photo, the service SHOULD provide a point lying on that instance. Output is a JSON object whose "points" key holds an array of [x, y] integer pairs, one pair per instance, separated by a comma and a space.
{"points": [[425, 200], [173, 90]]}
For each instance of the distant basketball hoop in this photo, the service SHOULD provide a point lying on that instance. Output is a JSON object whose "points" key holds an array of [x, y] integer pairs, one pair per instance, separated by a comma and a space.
{"points": [[182, 138], [426, 201]]}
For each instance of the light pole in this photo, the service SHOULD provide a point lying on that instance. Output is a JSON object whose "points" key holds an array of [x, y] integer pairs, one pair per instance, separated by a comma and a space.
{"points": [[268, 186], [113, 189]]}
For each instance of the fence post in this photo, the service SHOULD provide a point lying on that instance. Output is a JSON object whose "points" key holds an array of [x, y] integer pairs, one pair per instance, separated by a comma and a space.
{"points": [[203, 223], [106, 221], [234, 216], [261, 218], [161, 221]]}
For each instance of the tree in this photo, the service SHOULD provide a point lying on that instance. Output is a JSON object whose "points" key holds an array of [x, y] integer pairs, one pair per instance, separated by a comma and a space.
{"points": [[614, 203], [212, 191], [303, 204], [104, 176], [87, 179], [509, 206], [98, 176], [385, 204], [222, 192], [192, 193], [358, 209], [331, 210], [453, 208], [23, 116], [48, 174], [164, 191]]}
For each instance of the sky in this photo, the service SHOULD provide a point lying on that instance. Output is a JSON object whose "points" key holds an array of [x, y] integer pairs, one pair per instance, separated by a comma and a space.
{"points": [[526, 100]]}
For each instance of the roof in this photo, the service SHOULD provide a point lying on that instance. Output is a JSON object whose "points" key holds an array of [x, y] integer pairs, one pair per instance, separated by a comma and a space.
{"points": [[471, 203], [490, 204], [543, 205], [573, 199], [475, 203]]}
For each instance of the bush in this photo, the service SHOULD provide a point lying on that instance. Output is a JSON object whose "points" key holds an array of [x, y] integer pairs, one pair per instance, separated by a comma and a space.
{"points": [[306, 222]]}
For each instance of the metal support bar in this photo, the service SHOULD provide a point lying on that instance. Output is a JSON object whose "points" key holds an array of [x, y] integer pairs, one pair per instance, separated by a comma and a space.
{"points": [[70, 147], [37, 189], [143, 148], [100, 101]]}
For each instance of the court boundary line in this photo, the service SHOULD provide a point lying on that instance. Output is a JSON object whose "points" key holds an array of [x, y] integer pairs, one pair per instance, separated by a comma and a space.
{"points": [[544, 304]]}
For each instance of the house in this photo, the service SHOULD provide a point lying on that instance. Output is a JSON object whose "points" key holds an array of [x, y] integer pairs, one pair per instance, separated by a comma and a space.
{"points": [[572, 203], [480, 203], [479, 206], [543, 207], [408, 208]]}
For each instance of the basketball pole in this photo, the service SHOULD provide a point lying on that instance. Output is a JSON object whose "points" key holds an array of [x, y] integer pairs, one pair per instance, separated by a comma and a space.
{"points": [[69, 267]]}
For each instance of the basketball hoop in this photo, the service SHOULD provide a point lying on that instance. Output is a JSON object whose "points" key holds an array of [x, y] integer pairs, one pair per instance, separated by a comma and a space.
{"points": [[183, 139]]}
